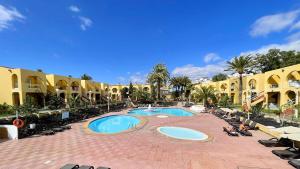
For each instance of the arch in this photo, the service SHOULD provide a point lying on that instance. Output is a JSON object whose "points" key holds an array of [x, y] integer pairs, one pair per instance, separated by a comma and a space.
{"points": [[146, 89], [293, 79], [223, 87], [14, 79], [232, 86], [294, 76], [274, 81], [75, 86], [252, 84], [62, 85], [114, 90], [291, 96]]}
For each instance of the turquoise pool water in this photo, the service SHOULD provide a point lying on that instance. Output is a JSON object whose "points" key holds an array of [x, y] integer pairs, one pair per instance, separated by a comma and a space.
{"points": [[113, 124], [157, 111], [182, 133]]}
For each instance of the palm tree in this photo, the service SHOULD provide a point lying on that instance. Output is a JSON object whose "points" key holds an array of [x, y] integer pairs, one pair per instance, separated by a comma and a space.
{"points": [[205, 93], [159, 76], [240, 65]]}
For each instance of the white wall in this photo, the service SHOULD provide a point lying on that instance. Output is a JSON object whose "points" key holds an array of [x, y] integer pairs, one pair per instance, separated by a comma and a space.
{"points": [[12, 131]]}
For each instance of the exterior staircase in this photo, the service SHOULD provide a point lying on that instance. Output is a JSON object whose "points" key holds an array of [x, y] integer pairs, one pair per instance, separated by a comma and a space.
{"points": [[257, 99]]}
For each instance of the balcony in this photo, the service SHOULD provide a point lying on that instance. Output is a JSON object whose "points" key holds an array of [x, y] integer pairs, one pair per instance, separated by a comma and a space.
{"points": [[33, 86]]}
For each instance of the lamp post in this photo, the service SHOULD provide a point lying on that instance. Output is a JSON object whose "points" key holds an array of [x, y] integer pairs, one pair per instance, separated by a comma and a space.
{"points": [[108, 98]]}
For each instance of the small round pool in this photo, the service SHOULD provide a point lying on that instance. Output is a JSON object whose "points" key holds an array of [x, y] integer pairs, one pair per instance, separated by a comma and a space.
{"points": [[182, 133], [160, 111], [113, 124]]}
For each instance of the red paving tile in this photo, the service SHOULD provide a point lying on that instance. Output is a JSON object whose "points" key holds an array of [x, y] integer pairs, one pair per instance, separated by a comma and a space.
{"points": [[142, 149]]}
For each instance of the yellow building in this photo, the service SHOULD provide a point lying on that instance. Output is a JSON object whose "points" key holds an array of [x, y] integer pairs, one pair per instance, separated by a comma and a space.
{"points": [[63, 86], [17, 85], [274, 88]]}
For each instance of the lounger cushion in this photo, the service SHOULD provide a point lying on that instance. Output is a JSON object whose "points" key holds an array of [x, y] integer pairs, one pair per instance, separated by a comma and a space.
{"points": [[286, 154], [70, 166], [295, 163], [86, 167], [268, 143]]}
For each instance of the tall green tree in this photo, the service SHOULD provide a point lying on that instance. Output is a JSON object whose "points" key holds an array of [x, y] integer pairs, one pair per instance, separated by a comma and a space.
{"points": [[130, 90], [159, 77], [180, 84], [268, 61], [86, 77], [240, 65], [205, 93], [219, 77]]}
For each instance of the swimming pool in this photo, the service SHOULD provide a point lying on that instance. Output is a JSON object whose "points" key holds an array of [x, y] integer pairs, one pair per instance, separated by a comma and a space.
{"points": [[182, 133], [159, 111], [113, 124]]}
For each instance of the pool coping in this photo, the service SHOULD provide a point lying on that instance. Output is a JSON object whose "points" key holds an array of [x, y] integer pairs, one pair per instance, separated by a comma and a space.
{"points": [[208, 139], [141, 124]]}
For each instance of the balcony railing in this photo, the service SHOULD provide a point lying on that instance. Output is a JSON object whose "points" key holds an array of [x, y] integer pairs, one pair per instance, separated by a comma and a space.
{"points": [[294, 83], [33, 86], [274, 86]]}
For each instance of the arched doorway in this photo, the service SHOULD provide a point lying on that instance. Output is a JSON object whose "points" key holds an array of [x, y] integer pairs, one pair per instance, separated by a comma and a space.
{"points": [[291, 96], [16, 99]]}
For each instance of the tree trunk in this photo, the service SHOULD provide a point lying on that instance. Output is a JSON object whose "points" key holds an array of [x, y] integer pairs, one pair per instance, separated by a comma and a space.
{"points": [[158, 90], [241, 89]]}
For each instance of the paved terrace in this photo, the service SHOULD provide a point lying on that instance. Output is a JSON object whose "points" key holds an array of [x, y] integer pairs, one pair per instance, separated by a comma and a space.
{"points": [[143, 149]]}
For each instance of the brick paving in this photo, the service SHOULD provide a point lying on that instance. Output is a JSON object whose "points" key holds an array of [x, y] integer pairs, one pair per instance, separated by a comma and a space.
{"points": [[143, 149]]}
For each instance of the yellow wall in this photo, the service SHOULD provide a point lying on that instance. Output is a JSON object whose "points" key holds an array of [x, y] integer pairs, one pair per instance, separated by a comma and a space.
{"points": [[269, 83]]}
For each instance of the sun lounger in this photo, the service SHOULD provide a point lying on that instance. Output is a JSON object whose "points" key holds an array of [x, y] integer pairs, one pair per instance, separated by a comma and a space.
{"points": [[67, 127], [245, 132], [275, 142], [70, 166], [48, 132], [103, 168], [230, 133], [287, 153], [57, 129], [295, 163], [86, 167]]}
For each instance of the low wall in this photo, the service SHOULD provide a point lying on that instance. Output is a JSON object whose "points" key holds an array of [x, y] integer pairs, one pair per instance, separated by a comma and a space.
{"points": [[9, 131]]}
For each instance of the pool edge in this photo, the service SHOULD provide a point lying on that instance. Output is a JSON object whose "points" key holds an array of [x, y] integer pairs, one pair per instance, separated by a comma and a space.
{"points": [[87, 130]]}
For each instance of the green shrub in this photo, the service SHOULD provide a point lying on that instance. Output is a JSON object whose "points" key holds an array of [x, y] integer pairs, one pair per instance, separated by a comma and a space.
{"points": [[6, 109]]}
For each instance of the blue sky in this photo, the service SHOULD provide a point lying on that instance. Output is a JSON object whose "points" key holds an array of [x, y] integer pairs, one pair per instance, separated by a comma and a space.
{"points": [[117, 41]]}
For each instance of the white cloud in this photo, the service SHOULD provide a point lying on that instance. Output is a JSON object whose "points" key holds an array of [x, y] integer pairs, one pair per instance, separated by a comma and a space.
{"points": [[8, 15], [196, 72], [293, 45], [137, 78], [211, 57], [74, 8], [273, 23], [296, 26], [85, 22], [294, 37]]}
